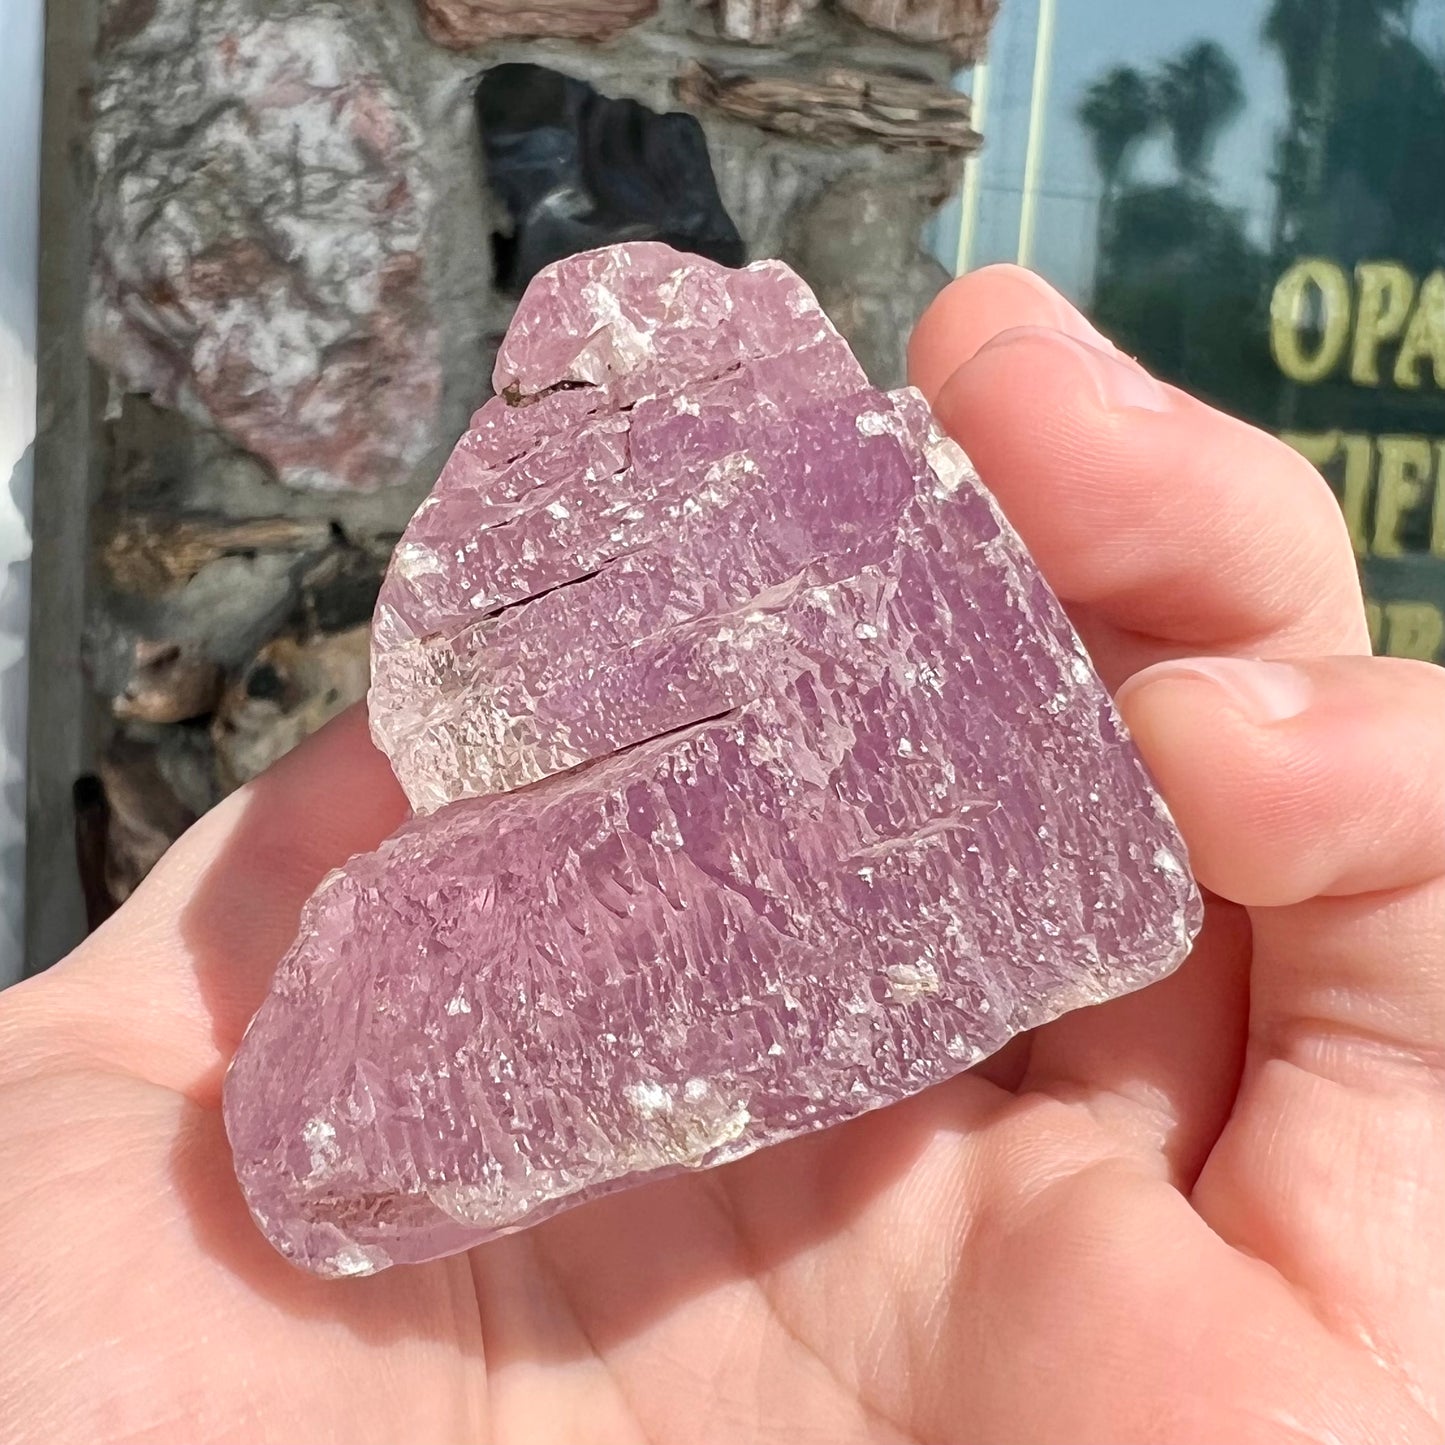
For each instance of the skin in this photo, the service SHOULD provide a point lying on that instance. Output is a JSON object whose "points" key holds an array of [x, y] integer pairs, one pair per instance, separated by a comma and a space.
{"points": [[1213, 1211]]}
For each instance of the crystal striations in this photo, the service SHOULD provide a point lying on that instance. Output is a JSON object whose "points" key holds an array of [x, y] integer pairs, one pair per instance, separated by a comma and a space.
{"points": [[760, 780]]}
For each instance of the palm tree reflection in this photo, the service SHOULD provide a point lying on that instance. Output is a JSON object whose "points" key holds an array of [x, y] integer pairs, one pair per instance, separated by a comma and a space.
{"points": [[1177, 277]]}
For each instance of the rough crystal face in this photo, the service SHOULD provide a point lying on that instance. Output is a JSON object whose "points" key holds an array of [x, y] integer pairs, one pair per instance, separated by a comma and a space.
{"points": [[761, 781]]}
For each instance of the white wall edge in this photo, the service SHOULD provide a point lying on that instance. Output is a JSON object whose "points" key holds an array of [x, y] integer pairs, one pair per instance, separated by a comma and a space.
{"points": [[21, 66]]}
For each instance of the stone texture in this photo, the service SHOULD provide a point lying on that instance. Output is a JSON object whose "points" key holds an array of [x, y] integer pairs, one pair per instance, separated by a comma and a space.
{"points": [[761, 21], [108, 453], [465, 23], [859, 246], [291, 688], [172, 682], [259, 235], [151, 555], [224, 613], [144, 815], [962, 25], [147, 790], [338, 590], [812, 797], [838, 106], [577, 169], [91, 815]]}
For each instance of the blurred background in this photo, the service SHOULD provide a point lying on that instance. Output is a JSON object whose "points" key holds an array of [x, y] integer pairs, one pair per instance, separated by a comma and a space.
{"points": [[279, 241], [20, 80]]}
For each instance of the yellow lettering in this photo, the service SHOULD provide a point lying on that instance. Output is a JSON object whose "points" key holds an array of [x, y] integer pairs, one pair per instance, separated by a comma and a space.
{"points": [[1313, 294], [1414, 629], [1437, 515], [1375, 621], [1355, 495], [1386, 293], [1405, 464], [1316, 447], [1320, 449], [1425, 340]]}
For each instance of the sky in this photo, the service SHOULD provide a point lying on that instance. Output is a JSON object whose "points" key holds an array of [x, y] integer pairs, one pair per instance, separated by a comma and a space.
{"points": [[20, 70], [1091, 37]]}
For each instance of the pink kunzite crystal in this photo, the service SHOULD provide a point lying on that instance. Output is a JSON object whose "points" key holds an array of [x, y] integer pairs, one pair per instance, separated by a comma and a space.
{"points": [[760, 781]]}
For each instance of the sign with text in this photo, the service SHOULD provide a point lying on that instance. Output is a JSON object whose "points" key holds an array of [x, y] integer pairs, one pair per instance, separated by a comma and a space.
{"points": [[1379, 328]]}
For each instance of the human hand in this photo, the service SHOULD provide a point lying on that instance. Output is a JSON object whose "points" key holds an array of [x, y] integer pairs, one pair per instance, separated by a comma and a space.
{"points": [[1212, 1211]]}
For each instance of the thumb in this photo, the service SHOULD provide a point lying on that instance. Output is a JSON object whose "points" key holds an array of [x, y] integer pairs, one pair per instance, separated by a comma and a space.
{"points": [[1293, 780], [1314, 793]]}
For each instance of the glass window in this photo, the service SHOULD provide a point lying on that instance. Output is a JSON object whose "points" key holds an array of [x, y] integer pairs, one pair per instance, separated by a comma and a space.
{"points": [[1249, 197]]}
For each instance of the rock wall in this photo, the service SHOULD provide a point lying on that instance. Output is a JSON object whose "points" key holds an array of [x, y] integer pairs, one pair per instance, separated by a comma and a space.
{"points": [[293, 312]]}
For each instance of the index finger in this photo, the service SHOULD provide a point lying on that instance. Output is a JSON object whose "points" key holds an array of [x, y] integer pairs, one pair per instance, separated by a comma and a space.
{"points": [[1165, 527], [1168, 529]]}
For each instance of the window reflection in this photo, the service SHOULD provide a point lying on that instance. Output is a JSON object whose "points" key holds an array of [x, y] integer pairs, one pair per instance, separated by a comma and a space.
{"points": [[1248, 196]]}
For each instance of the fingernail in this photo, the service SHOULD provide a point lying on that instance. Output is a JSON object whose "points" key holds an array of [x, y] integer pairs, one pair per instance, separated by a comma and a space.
{"points": [[1121, 385], [1265, 692], [1064, 315]]}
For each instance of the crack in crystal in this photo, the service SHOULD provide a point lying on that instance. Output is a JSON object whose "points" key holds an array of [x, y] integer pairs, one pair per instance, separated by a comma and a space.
{"points": [[696, 930], [927, 833], [505, 607], [515, 397]]}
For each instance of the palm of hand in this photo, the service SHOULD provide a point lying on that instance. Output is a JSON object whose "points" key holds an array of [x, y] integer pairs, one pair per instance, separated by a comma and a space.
{"points": [[1134, 1228], [974, 1265]]}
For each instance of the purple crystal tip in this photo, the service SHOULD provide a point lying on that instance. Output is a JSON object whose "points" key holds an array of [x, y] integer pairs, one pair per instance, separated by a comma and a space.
{"points": [[760, 781]]}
